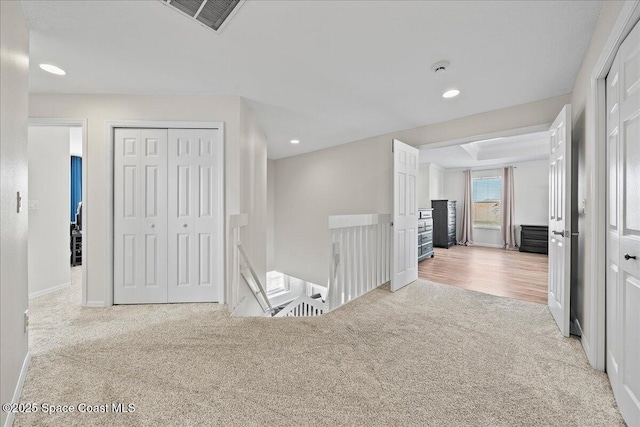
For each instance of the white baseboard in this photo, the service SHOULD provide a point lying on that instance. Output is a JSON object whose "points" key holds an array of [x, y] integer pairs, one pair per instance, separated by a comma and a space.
{"points": [[486, 245], [587, 348], [96, 304], [8, 422], [49, 290]]}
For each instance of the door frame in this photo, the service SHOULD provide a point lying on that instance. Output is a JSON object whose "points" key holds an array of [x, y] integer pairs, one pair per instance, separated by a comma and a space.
{"points": [[111, 125], [595, 344], [71, 122]]}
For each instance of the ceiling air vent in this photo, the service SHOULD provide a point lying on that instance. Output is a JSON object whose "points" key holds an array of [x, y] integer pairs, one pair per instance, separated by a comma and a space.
{"points": [[212, 14]]}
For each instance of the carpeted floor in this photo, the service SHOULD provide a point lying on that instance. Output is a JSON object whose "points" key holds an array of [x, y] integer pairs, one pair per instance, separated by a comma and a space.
{"points": [[428, 354]]}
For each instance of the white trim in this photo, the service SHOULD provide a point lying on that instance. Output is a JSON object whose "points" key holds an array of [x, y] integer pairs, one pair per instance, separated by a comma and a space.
{"points": [[595, 344], [49, 290], [111, 125], [485, 245], [345, 221], [485, 136], [86, 208], [97, 304], [238, 220], [8, 422], [578, 326], [498, 167]]}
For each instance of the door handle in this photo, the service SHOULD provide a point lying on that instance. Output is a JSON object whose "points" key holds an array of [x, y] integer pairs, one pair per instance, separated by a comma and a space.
{"points": [[628, 257], [558, 233]]}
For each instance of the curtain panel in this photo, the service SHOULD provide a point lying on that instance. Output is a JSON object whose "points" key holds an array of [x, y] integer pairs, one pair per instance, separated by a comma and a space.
{"points": [[508, 228], [76, 185], [466, 236]]}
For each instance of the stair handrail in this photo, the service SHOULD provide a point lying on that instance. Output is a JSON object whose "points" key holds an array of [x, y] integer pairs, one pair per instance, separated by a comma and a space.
{"points": [[254, 276], [361, 247]]}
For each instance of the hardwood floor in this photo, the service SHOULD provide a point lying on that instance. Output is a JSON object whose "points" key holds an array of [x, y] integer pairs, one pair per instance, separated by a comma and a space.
{"points": [[511, 274]]}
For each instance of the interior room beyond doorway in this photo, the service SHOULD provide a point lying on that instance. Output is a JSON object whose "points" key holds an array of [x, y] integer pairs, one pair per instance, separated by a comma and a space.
{"points": [[55, 255], [492, 248]]}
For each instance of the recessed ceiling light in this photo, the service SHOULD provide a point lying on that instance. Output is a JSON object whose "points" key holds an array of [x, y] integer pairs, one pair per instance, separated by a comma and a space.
{"points": [[451, 93], [295, 141], [53, 69]]}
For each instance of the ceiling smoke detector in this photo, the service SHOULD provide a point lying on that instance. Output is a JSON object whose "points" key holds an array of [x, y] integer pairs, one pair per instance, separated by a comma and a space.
{"points": [[440, 67]]}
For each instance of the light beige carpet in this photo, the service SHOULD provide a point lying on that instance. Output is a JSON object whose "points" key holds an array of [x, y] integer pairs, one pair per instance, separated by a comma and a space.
{"points": [[428, 354]]}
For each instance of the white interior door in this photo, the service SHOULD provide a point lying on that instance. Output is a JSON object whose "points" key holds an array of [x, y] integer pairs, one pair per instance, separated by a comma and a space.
{"points": [[560, 219], [623, 231], [405, 215], [140, 216], [195, 257]]}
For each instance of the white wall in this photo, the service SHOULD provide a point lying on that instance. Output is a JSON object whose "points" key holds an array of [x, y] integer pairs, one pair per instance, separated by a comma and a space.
{"points": [[532, 203], [271, 194], [436, 183], [49, 166], [491, 122], [430, 184], [242, 155], [356, 178], [253, 190], [581, 107], [424, 199], [531, 185], [353, 178], [14, 101]]}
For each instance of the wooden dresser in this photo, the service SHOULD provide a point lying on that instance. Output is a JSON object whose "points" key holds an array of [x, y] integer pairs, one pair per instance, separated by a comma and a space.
{"points": [[444, 223], [534, 238], [425, 234]]}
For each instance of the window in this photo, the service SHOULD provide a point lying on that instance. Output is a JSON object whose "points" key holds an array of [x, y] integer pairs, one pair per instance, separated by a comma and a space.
{"points": [[486, 197], [276, 282]]}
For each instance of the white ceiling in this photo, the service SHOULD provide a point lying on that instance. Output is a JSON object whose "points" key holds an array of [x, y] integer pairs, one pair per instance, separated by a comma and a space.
{"points": [[491, 152], [323, 72]]}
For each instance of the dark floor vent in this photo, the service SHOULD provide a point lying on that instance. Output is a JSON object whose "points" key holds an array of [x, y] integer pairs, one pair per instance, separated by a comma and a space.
{"points": [[210, 13]]}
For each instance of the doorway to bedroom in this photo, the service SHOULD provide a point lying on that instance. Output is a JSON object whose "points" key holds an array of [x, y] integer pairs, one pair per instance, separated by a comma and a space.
{"points": [[484, 207], [55, 208]]}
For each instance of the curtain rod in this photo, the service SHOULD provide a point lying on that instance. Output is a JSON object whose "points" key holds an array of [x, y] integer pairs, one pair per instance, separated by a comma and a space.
{"points": [[487, 169]]}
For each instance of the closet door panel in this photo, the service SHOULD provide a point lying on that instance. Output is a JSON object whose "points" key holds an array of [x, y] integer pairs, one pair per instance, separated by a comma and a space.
{"points": [[207, 218], [140, 205], [127, 212], [153, 166], [181, 209], [193, 215]]}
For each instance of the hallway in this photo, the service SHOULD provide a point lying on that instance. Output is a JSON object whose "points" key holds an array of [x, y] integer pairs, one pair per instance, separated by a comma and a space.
{"points": [[428, 354]]}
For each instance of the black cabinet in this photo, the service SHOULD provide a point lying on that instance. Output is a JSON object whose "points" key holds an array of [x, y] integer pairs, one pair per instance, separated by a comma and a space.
{"points": [[425, 234], [444, 223], [76, 248], [534, 238]]}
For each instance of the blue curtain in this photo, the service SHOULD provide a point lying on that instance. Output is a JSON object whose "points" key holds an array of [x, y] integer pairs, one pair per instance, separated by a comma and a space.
{"points": [[76, 185]]}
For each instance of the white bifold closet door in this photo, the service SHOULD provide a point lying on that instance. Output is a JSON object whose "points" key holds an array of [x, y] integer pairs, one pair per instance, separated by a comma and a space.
{"points": [[167, 236], [140, 216], [194, 258]]}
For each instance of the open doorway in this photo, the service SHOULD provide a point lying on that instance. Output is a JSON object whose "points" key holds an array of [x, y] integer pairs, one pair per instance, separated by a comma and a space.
{"points": [[56, 208], [496, 242]]}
